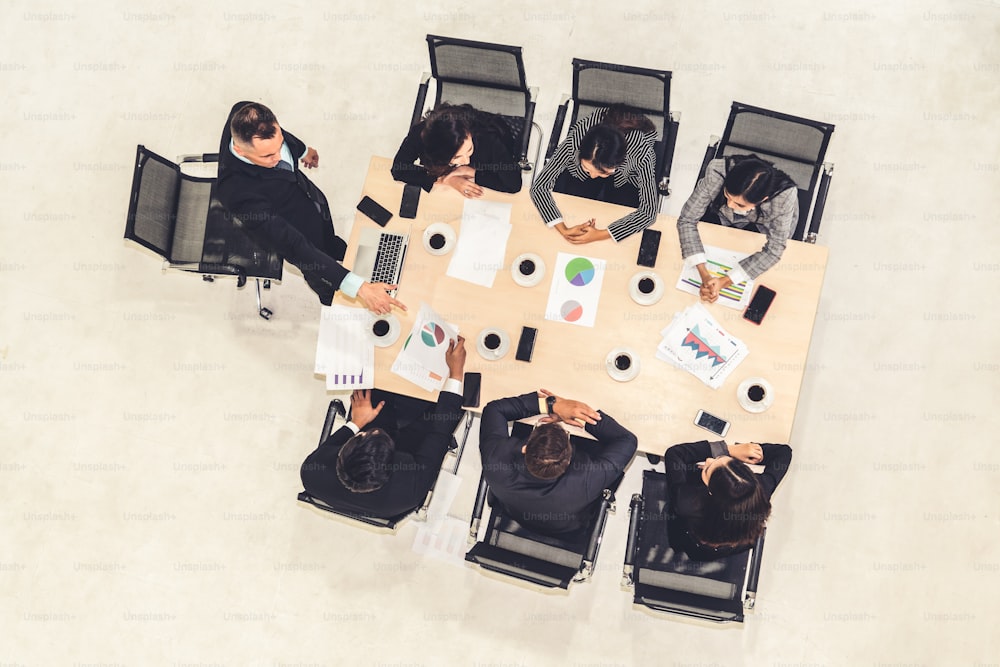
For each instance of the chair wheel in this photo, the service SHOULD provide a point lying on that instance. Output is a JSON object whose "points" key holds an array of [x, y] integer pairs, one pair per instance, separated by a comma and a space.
{"points": [[208, 279], [267, 284], [653, 458], [266, 313]]}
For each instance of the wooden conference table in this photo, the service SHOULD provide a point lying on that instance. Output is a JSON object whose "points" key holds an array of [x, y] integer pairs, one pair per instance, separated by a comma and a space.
{"points": [[660, 404]]}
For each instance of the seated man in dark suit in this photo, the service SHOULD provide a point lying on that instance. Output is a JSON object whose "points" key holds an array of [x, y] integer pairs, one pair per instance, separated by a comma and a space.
{"points": [[383, 462], [547, 483], [261, 184]]}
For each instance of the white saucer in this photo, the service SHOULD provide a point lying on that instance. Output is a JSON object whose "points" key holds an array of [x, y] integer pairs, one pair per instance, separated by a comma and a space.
{"points": [[487, 353], [534, 278], [390, 337], [645, 299], [613, 370], [744, 399], [443, 229]]}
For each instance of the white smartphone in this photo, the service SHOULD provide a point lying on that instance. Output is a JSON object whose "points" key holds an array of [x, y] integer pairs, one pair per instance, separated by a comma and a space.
{"points": [[710, 422]]}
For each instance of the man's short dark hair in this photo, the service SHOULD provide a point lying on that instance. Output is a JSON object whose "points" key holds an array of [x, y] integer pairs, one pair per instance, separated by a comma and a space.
{"points": [[363, 464], [252, 120], [547, 451]]}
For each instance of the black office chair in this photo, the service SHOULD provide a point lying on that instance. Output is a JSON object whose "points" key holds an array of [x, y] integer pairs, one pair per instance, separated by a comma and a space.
{"points": [[795, 145], [178, 217], [517, 551], [488, 76], [336, 410], [597, 85], [666, 580]]}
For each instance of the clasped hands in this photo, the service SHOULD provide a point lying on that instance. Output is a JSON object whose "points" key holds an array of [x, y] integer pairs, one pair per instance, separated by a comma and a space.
{"points": [[586, 232], [711, 285], [567, 410]]}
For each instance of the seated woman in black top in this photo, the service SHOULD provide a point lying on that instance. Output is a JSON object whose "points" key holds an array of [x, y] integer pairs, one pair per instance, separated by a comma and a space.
{"points": [[607, 156], [718, 505], [461, 147]]}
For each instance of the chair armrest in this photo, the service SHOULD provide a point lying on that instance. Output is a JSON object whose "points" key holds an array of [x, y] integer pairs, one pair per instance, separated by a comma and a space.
{"points": [[607, 505], [335, 409], [529, 119], [634, 517], [198, 157], [418, 105], [557, 126], [669, 145], [710, 151], [817, 214], [213, 269], [477, 509], [754, 574]]}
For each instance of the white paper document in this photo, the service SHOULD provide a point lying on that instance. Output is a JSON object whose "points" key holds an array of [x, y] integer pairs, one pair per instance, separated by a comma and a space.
{"points": [[695, 342], [718, 262], [482, 242], [345, 353], [575, 290], [421, 360]]}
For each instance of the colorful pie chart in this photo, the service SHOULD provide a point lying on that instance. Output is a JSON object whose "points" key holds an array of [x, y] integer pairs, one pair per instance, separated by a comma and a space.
{"points": [[579, 271], [432, 335], [571, 311]]}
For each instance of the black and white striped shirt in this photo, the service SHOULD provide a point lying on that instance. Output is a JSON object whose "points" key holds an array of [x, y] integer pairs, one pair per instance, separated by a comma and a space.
{"points": [[639, 170]]}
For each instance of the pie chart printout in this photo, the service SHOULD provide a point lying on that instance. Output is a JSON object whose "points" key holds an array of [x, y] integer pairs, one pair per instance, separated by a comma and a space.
{"points": [[432, 335], [571, 311], [580, 271], [575, 290]]}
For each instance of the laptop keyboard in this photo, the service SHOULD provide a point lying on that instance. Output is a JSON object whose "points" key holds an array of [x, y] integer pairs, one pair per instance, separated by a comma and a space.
{"points": [[387, 259]]}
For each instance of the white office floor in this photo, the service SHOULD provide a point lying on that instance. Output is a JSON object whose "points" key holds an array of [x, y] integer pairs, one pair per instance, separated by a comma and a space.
{"points": [[154, 425]]}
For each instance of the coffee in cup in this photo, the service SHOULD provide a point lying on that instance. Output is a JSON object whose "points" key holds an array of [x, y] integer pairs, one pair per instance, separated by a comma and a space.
{"points": [[756, 393], [437, 241], [492, 341], [380, 328], [623, 362], [646, 285], [526, 267]]}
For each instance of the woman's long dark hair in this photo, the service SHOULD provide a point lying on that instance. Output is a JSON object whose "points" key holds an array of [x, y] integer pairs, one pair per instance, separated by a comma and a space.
{"points": [[604, 144], [445, 129], [752, 178], [734, 509]]}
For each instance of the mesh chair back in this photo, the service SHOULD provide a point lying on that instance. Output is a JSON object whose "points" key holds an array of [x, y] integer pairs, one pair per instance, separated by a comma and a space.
{"points": [[795, 145], [597, 85], [178, 217]]}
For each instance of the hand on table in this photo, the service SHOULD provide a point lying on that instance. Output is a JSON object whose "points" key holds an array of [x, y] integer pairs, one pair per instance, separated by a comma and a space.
{"points": [[362, 412], [463, 179], [311, 158], [569, 411], [376, 298], [748, 452], [455, 358]]}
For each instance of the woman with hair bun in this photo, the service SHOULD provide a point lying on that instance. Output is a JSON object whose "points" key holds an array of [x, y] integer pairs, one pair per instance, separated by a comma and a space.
{"points": [[460, 147], [739, 191], [718, 505]]}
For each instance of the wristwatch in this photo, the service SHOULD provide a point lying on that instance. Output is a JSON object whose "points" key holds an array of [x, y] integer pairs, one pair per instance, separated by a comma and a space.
{"points": [[550, 404]]}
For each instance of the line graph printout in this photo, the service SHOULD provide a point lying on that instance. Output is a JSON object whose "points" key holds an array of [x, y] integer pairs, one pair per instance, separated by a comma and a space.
{"points": [[718, 262], [576, 289], [695, 342]]}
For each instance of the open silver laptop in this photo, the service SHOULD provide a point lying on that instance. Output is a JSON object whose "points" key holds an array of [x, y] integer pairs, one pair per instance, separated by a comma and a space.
{"points": [[380, 256]]}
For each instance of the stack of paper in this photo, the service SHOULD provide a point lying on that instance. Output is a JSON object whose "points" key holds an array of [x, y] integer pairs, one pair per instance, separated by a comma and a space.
{"points": [[345, 353], [719, 261], [482, 242], [695, 342], [422, 359]]}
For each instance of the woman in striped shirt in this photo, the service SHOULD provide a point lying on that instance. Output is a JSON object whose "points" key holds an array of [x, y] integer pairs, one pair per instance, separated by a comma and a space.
{"points": [[606, 156]]}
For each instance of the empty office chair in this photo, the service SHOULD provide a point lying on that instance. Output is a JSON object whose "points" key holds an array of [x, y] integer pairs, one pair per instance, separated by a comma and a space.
{"points": [[337, 411], [667, 580], [490, 77], [517, 551], [597, 85], [795, 145], [178, 217]]}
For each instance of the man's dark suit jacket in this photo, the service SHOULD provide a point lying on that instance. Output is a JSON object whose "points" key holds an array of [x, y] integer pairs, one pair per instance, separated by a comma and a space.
{"points": [[284, 211], [561, 505], [688, 492], [420, 448]]}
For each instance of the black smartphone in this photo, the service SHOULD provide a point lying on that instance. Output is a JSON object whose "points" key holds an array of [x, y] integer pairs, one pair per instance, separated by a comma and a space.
{"points": [[411, 197], [710, 422], [648, 248], [759, 304], [526, 344], [375, 211], [471, 385]]}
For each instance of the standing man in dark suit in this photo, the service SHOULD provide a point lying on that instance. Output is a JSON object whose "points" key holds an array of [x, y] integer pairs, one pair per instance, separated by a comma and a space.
{"points": [[384, 461], [261, 184], [547, 482]]}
